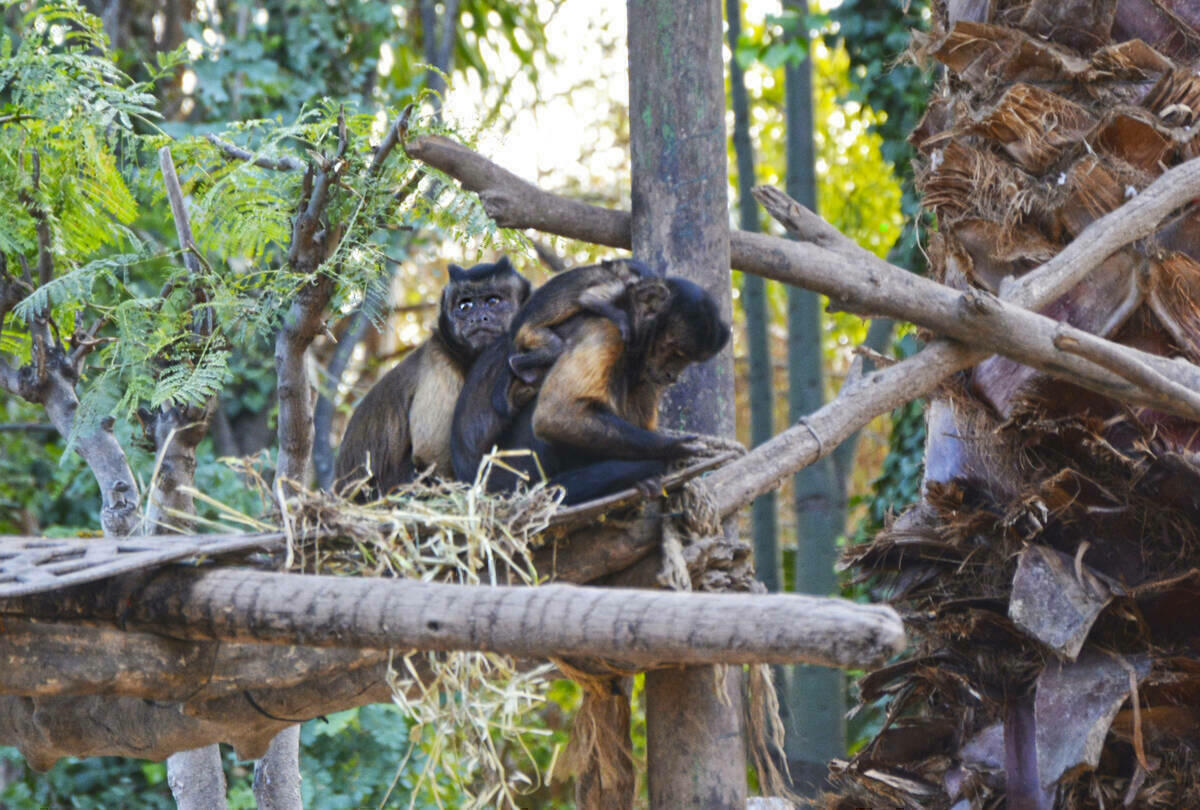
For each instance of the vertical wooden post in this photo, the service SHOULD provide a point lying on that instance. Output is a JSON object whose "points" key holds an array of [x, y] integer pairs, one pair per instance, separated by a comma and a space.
{"points": [[815, 705], [680, 225]]}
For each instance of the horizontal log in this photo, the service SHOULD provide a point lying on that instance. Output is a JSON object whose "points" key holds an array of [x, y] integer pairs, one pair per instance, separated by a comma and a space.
{"points": [[637, 628], [44, 659], [46, 729]]}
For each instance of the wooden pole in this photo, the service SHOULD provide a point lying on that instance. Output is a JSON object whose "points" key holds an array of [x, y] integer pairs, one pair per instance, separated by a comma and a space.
{"points": [[635, 628], [680, 226]]}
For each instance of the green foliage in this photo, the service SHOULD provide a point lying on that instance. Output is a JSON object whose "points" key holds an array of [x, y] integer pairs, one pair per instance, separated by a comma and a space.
{"points": [[76, 156], [98, 783], [875, 34], [353, 759]]}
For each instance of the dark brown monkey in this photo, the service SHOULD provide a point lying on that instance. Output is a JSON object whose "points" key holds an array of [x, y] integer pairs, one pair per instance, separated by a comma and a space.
{"points": [[402, 425], [594, 422], [533, 342]]}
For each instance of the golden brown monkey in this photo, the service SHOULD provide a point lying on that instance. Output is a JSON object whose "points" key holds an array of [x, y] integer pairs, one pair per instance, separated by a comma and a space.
{"points": [[402, 426]]}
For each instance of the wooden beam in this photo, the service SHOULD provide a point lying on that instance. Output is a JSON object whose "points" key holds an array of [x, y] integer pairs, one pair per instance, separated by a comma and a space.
{"points": [[638, 628]]}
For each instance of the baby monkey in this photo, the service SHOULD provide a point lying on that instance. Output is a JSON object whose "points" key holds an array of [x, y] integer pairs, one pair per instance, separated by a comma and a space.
{"points": [[534, 345]]}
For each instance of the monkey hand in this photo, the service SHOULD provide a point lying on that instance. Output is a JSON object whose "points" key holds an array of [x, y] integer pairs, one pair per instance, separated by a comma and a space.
{"points": [[650, 488], [691, 445]]}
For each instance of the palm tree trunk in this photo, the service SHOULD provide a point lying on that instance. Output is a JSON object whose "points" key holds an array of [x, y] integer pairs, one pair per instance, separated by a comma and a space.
{"points": [[1045, 571]]}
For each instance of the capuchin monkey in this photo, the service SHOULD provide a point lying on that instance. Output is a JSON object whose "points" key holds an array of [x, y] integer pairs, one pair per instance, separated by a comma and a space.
{"points": [[402, 426], [594, 421], [534, 345]]}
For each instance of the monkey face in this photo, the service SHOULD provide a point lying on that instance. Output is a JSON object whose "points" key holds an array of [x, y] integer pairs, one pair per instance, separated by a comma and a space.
{"points": [[479, 316], [478, 305], [669, 356], [689, 330]]}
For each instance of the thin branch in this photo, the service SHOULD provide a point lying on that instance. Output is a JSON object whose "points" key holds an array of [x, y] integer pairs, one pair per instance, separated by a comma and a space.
{"points": [[205, 319], [235, 152], [1104, 353], [41, 223], [396, 133], [1138, 218]]}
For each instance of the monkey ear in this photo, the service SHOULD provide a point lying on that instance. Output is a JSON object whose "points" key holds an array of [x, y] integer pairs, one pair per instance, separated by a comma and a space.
{"points": [[456, 272], [505, 264], [651, 297]]}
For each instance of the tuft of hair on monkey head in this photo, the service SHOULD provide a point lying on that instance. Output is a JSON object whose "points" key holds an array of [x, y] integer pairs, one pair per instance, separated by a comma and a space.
{"points": [[402, 426]]}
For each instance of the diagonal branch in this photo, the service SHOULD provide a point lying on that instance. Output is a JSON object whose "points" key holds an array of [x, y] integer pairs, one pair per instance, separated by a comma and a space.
{"points": [[177, 430]]}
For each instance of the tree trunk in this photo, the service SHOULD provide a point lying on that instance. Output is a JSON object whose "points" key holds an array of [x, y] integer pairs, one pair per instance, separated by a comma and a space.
{"points": [[680, 225], [196, 778], [815, 705]]}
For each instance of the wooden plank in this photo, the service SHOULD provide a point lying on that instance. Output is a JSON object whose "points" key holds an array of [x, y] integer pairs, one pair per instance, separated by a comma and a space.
{"points": [[35, 564]]}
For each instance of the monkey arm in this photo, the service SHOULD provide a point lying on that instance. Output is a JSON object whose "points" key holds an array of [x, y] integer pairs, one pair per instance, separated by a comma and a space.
{"points": [[477, 425]]}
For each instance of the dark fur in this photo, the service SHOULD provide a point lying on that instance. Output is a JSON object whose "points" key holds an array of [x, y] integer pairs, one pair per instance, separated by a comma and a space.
{"points": [[594, 421], [595, 288], [402, 424]]}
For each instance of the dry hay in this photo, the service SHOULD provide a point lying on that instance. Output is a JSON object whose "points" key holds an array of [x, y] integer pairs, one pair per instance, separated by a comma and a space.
{"points": [[470, 710]]}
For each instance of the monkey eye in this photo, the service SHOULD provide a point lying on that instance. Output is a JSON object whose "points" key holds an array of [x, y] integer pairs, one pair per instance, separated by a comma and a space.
{"points": [[465, 304], [492, 300]]}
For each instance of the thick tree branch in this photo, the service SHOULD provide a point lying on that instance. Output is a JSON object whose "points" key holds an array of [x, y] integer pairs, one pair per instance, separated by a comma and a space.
{"points": [[48, 659], [311, 245], [1138, 218], [515, 203], [767, 466], [47, 729], [974, 317], [638, 628]]}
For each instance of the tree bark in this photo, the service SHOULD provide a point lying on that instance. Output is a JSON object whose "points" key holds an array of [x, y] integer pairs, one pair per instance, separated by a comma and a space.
{"points": [[637, 628], [680, 226], [277, 775], [48, 659], [196, 778], [47, 729]]}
